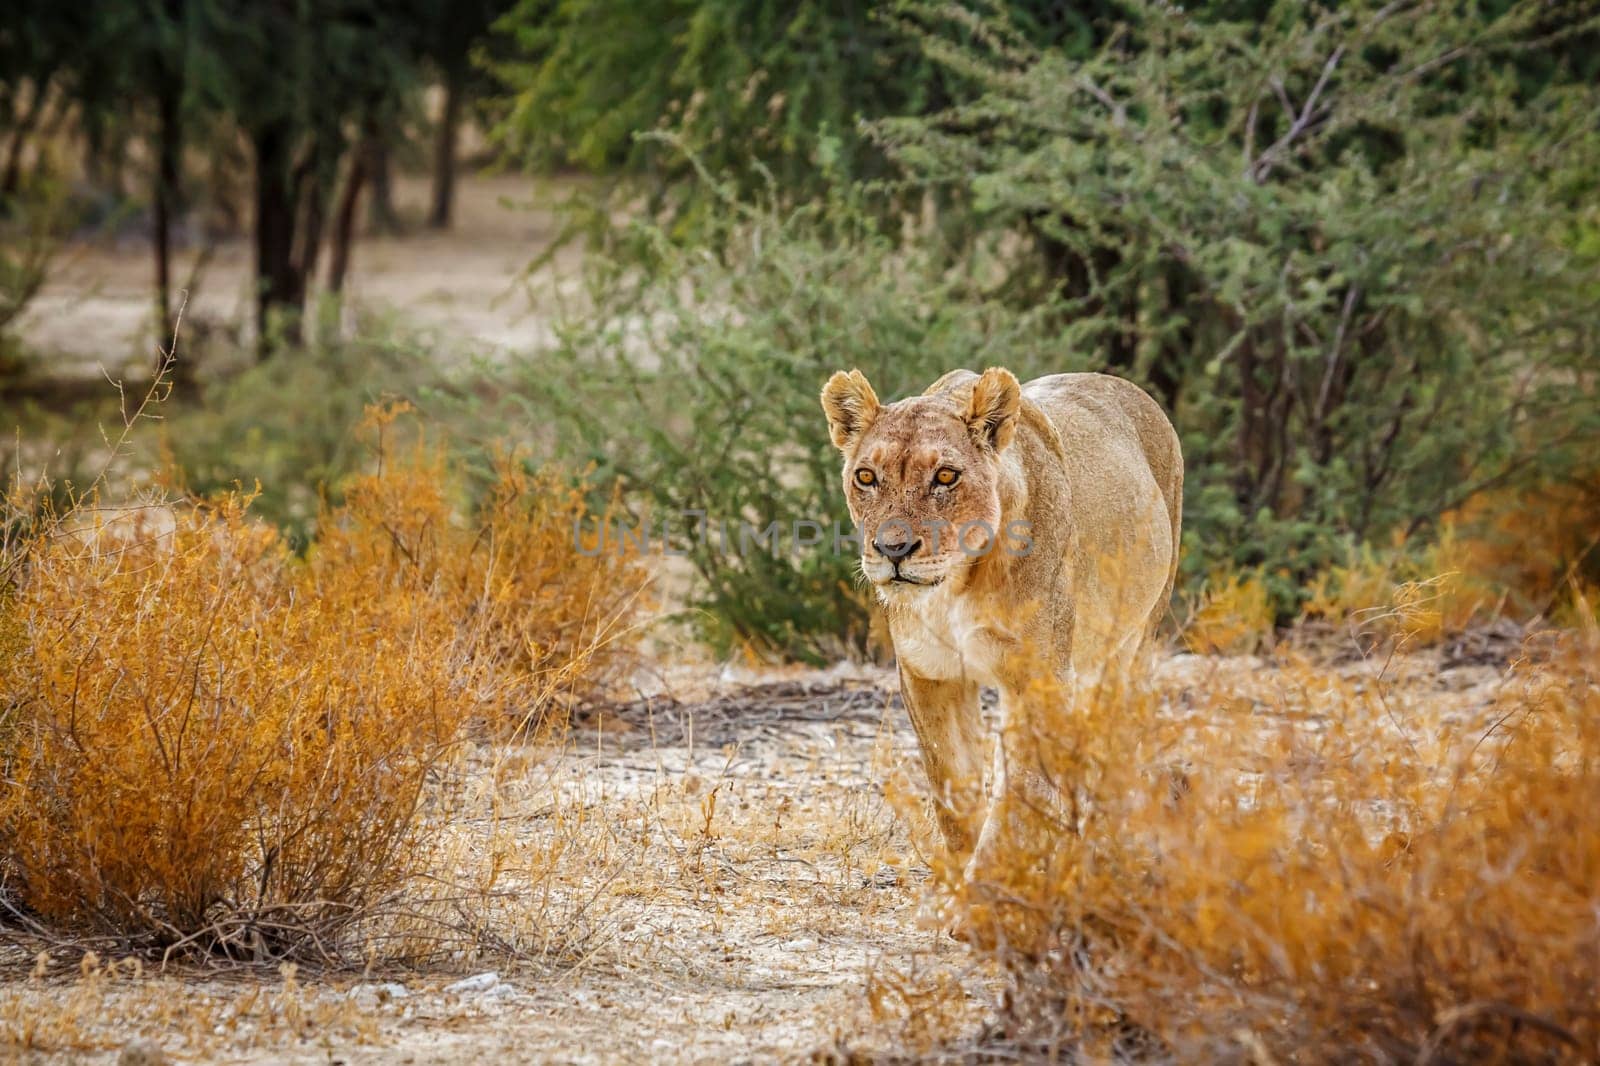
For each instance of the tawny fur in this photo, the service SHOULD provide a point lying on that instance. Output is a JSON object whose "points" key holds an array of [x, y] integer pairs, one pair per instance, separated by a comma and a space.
{"points": [[1091, 468]]}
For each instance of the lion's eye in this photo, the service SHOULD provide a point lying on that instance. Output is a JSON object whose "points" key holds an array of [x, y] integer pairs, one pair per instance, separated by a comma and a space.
{"points": [[866, 477], [946, 476]]}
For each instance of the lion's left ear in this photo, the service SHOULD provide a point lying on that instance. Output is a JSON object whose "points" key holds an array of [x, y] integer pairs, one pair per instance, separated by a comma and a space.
{"points": [[992, 415]]}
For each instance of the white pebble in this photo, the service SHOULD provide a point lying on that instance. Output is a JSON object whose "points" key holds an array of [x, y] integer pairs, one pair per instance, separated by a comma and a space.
{"points": [[382, 993], [478, 982]]}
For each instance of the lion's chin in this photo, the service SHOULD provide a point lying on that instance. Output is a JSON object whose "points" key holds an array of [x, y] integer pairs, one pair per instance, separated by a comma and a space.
{"points": [[888, 582], [905, 586]]}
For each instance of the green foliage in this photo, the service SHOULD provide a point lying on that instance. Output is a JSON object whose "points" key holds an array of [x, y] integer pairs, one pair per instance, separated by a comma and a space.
{"points": [[739, 80], [1350, 248], [763, 94], [695, 382]]}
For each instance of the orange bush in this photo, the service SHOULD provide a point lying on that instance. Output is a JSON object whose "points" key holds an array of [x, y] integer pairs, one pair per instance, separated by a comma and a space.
{"points": [[1422, 596], [1521, 553], [1234, 616], [200, 751], [1538, 544], [209, 744]]}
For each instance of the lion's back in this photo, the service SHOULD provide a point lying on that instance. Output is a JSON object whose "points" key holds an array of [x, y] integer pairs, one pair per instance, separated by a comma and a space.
{"points": [[1121, 454], [1092, 408]]}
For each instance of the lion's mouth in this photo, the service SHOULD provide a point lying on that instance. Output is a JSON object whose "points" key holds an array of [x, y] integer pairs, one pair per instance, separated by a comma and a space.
{"points": [[901, 579]]}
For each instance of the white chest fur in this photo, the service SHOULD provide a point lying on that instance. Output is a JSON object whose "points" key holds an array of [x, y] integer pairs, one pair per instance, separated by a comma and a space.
{"points": [[938, 635]]}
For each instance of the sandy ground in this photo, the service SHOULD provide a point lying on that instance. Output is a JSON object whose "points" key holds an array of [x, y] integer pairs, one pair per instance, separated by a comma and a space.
{"points": [[720, 876], [94, 311]]}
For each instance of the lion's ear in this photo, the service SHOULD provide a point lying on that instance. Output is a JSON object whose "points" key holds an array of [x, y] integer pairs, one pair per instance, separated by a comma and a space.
{"points": [[992, 416], [851, 407]]}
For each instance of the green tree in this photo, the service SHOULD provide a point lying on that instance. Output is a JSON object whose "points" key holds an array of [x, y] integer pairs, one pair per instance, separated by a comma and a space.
{"points": [[294, 78], [1345, 244]]}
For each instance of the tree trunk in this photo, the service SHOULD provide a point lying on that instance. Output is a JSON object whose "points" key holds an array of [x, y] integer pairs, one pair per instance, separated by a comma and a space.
{"points": [[94, 150], [381, 215], [1172, 358], [277, 287], [105, 151], [1081, 278], [444, 148], [12, 177], [311, 200], [116, 164], [169, 158], [344, 219]]}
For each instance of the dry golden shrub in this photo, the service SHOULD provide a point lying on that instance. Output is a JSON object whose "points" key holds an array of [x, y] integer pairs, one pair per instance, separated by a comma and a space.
{"points": [[1421, 596], [210, 745], [1234, 616], [1538, 544], [202, 752], [1351, 877]]}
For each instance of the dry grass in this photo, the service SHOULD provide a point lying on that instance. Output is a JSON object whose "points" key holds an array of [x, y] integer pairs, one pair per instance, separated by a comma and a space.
{"points": [[719, 878], [700, 880], [102, 1005]]}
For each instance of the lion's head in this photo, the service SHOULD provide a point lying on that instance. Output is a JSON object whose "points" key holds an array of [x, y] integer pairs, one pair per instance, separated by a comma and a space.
{"points": [[922, 476]]}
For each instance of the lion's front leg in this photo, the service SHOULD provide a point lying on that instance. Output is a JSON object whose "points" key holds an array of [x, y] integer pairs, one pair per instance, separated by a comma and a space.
{"points": [[1028, 807], [949, 725]]}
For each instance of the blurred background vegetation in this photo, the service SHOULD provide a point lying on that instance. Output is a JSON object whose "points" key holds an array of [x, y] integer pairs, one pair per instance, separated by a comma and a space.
{"points": [[1353, 248]]}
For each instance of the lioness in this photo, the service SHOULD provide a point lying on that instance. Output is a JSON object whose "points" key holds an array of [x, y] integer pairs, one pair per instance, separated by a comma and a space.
{"points": [[1006, 526]]}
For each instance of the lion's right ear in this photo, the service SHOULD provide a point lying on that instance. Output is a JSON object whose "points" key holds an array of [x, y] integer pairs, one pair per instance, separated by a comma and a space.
{"points": [[992, 416], [851, 407]]}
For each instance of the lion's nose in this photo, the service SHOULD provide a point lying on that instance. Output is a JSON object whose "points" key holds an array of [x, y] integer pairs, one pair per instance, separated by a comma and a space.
{"points": [[896, 552]]}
